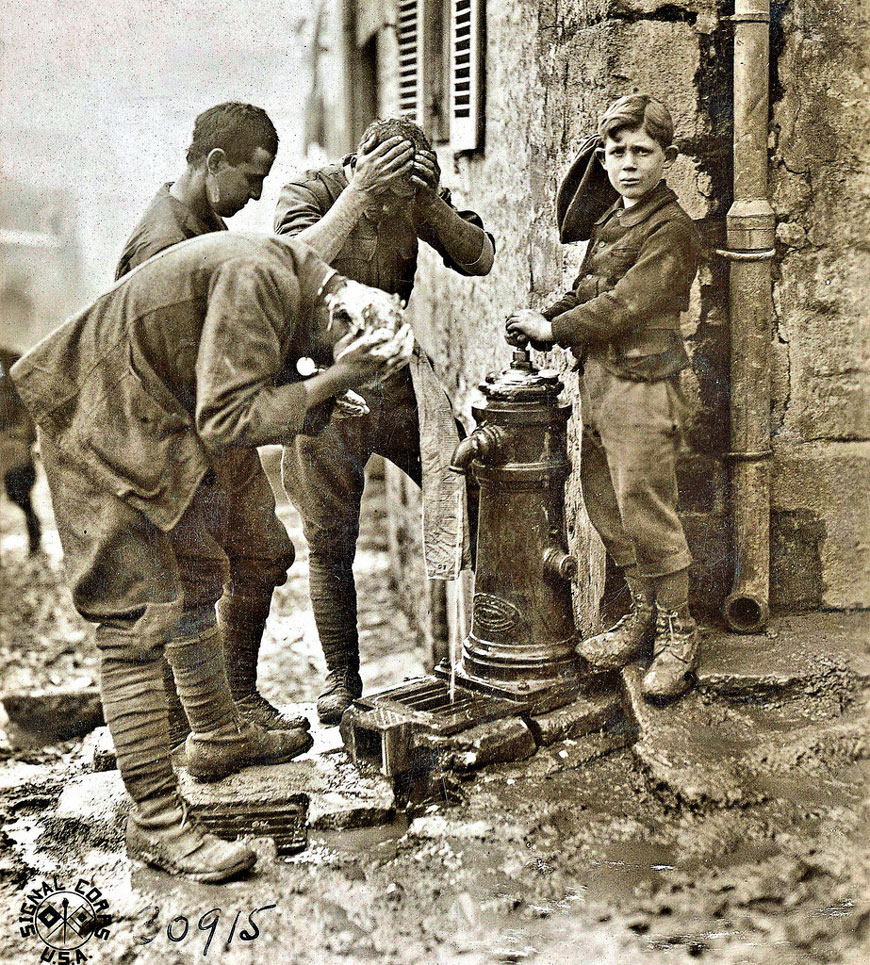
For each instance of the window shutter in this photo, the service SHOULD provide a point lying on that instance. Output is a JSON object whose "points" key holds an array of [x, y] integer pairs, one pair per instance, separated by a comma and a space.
{"points": [[466, 74], [409, 35]]}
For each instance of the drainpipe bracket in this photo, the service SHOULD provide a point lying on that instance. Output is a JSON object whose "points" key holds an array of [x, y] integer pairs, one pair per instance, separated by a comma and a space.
{"points": [[749, 16], [762, 255], [759, 455]]}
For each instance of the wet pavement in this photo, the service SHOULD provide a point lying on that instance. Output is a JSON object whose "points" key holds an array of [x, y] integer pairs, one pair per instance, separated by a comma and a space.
{"points": [[729, 828]]}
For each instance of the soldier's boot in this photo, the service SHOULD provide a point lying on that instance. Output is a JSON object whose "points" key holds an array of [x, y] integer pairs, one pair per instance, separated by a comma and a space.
{"points": [[675, 659], [333, 599], [630, 637], [242, 622], [221, 741], [343, 686], [160, 828]]}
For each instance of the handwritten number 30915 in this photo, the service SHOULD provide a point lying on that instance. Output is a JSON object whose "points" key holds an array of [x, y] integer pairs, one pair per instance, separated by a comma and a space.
{"points": [[179, 926]]}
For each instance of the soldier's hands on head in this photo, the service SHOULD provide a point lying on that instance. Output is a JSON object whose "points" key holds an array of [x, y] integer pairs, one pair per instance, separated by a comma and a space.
{"points": [[383, 166], [425, 177]]}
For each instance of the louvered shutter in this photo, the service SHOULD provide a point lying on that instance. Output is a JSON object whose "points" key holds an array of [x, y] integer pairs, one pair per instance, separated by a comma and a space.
{"points": [[466, 74], [409, 35]]}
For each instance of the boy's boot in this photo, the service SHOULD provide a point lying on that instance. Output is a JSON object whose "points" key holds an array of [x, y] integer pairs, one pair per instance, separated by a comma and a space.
{"points": [[221, 742], [675, 655], [629, 637], [160, 829], [242, 622]]}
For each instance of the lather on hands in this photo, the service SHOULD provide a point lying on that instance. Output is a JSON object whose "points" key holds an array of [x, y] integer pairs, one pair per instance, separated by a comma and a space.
{"points": [[378, 338]]}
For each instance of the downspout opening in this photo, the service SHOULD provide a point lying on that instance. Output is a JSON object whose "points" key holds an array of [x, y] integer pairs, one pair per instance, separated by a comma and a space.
{"points": [[746, 612]]}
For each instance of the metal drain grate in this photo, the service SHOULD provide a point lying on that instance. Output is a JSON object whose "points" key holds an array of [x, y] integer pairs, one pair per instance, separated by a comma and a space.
{"points": [[380, 729]]}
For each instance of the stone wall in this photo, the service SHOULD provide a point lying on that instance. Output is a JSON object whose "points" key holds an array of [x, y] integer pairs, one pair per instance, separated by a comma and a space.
{"points": [[550, 69]]}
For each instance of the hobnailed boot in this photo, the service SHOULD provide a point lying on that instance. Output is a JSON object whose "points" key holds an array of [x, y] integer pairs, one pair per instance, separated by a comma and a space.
{"points": [[177, 842], [221, 742], [242, 624], [160, 829], [343, 686], [214, 755], [631, 636], [675, 656]]}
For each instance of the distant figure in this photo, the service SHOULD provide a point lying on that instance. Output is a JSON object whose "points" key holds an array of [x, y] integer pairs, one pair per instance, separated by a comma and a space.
{"points": [[17, 432], [230, 155]]}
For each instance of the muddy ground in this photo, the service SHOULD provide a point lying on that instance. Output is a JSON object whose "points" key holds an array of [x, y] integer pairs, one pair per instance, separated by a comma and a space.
{"points": [[581, 854]]}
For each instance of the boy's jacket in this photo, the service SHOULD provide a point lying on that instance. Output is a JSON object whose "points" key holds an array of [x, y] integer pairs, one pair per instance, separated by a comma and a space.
{"points": [[634, 282], [584, 194]]}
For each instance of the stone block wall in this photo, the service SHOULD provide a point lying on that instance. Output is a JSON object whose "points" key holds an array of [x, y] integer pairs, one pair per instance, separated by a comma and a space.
{"points": [[551, 67]]}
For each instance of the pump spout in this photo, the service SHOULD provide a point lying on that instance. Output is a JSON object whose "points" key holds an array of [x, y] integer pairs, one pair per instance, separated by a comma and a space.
{"points": [[483, 444]]}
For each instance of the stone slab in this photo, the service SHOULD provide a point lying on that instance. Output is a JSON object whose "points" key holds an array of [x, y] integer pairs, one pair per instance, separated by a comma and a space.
{"points": [[583, 716], [284, 802], [336, 794], [497, 741], [714, 752], [54, 714], [796, 653]]}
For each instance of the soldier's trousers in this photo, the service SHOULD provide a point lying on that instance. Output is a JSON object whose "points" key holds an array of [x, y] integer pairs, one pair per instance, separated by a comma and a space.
{"points": [[631, 438], [324, 476], [135, 581]]}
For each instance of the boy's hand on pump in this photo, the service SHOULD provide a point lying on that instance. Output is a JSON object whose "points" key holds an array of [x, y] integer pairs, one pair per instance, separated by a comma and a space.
{"points": [[532, 325]]}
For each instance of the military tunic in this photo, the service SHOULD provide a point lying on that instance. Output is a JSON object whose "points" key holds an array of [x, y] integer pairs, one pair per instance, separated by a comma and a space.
{"points": [[146, 394]]}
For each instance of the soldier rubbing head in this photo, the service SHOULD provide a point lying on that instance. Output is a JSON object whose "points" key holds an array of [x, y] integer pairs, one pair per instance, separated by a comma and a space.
{"points": [[235, 145], [402, 190]]}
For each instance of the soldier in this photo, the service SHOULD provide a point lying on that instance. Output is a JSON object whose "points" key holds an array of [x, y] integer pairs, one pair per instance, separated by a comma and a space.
{"points": [[141, 400], [230, 155], [17, 433], [365, 217]]}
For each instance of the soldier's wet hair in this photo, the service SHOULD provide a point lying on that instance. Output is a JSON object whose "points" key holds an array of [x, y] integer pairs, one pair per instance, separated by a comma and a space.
{"points": [[237, 128], [383, 129], [636, 111]]}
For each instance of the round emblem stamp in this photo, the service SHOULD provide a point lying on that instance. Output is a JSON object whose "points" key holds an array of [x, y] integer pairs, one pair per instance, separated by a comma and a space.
{"points": [[65, 919]]}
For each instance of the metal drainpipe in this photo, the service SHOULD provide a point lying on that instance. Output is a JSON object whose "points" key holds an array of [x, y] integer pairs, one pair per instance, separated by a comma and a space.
{"points": [[750, 239]]}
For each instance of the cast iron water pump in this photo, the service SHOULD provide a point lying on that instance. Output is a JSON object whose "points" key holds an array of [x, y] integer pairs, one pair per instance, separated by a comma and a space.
{"points": [[523, 636], [519, 657]]}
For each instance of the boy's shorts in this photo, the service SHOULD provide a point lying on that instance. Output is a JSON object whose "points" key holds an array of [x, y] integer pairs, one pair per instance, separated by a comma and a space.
{"points": [[631, 438]]}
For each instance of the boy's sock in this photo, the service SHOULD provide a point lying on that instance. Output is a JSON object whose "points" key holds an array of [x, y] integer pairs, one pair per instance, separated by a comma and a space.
{"points": [[672, 591], [640, 587]]}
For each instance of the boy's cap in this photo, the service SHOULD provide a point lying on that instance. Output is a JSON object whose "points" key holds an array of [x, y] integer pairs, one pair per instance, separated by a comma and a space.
{"points": [[584, 194]]}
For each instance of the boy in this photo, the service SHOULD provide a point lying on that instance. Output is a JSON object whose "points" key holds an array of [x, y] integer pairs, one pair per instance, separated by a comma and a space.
{"points": [[622, 320]]}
